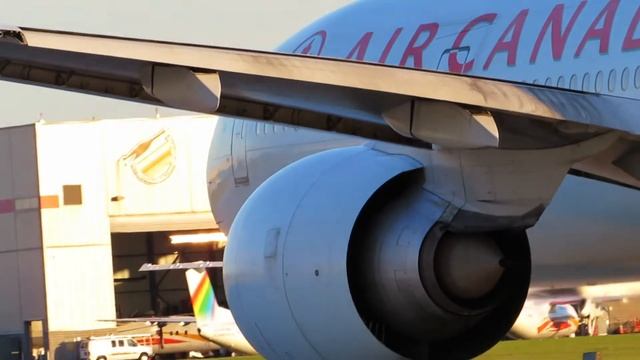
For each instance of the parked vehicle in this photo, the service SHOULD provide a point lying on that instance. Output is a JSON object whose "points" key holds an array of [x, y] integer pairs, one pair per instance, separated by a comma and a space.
{"points": [[114, 348]]}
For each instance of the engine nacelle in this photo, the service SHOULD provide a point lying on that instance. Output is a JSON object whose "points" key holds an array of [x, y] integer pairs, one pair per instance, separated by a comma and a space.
{"points": [[343, 254]]}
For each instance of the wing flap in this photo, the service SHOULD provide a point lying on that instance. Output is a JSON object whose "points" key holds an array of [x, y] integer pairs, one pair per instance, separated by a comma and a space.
{"points": [[156, 320], [181, 266], [251, 76], [526, 100]]}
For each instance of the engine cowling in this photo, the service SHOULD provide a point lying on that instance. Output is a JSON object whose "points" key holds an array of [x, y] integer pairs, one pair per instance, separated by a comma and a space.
{"points": [[343, 254]]}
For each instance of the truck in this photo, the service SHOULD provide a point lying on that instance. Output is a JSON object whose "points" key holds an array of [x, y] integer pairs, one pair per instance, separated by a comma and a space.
{"points": [[114, 347]]}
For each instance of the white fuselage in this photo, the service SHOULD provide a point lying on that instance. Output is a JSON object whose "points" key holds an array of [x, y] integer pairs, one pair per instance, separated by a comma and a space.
{"points": [[225, 332], [175, 339], [540, 319], [587, 234]]}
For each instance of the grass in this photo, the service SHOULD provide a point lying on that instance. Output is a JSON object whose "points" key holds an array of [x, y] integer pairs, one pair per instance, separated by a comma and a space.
{"points": [[620, 347]]}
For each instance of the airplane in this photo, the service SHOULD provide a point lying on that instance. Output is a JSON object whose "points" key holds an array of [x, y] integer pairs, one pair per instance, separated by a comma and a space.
{"points": [[545, 317], [168, 338], [214, 323], [553, 321], [382, 176], [570, 311]]}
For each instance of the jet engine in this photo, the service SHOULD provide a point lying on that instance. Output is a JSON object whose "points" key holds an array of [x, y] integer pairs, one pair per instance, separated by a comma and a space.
{"points": [[344, 254]]}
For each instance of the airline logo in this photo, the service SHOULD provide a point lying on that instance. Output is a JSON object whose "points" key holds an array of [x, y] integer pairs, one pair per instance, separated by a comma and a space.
{"points": [[562, 317], [313, 45], [153, 160], [553, 31], [202, 297], [554, 327]]}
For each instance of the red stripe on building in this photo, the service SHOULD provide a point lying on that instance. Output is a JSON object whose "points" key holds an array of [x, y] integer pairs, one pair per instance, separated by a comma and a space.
{"points": [[49, 202], [7, 206]]}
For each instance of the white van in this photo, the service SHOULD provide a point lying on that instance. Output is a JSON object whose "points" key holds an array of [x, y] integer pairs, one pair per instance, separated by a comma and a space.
{"points": [[114, 348]]}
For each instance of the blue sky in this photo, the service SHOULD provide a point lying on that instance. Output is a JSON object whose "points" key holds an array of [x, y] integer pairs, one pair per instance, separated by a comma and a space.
{"points": [[255, 24]]}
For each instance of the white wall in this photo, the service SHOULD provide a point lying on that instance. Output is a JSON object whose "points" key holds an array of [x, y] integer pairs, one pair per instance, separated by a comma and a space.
{"points": [[77, 238], [77, 243], [21, 270], [179, 201]]}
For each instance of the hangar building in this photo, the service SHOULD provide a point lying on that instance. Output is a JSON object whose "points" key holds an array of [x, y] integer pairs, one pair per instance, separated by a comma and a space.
{"points": [[82, 206]]}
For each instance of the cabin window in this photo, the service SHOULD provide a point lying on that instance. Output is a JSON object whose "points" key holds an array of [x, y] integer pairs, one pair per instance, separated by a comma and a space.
{"points": [[535, 82], [561, 82], [121, 343], [624, 81], [637, 79], [113, 343], [261, 129], [599, 82], [573, 83], [586, 82], [613, 77], [548, 82]]}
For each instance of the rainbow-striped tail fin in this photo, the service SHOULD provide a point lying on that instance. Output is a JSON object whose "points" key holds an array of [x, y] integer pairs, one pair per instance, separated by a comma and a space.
{"points": [[203, 299]]}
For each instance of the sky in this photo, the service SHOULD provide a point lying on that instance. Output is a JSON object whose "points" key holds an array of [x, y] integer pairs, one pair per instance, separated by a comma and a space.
{"points": [[251, 24]]}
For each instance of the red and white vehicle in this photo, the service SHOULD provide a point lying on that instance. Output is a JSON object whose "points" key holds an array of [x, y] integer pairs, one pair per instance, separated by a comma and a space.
{"points": [[114, 348]]}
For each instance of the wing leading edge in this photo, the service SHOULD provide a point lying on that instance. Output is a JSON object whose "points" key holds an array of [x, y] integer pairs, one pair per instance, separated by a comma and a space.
{"points": [[368, 100], [246, 75]]}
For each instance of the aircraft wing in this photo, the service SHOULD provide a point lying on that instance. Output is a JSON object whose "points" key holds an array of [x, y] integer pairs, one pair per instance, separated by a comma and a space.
{"points": [[610, 292], [594, 293], [180, 266], [369, 100], [158, 320]]}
